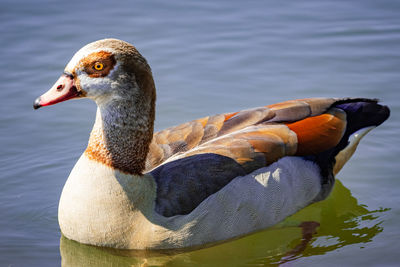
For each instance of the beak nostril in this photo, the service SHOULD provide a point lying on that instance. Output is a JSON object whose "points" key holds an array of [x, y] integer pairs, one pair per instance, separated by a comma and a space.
{"points": [[60, 87]]}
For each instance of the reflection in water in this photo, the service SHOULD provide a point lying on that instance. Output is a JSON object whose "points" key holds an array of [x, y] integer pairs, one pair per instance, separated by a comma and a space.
{"points": [[342, 222]]}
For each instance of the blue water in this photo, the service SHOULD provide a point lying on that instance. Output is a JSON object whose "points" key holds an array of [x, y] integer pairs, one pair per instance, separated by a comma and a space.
{"points": [[207, 57]]}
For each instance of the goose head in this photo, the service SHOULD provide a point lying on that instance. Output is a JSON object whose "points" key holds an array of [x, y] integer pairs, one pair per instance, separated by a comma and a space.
{"points": [[105, 71], [116, 76]]}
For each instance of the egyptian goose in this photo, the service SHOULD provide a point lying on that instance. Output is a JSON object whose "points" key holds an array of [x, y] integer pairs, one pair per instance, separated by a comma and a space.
{"points": [[204, 181]]}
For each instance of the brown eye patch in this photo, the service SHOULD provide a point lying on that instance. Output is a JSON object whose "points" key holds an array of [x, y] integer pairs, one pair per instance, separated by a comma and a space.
{"points": [[98, 64]]}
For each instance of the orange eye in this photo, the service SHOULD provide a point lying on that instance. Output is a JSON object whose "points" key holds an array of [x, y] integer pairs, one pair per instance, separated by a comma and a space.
{"points": [[98, 66]]}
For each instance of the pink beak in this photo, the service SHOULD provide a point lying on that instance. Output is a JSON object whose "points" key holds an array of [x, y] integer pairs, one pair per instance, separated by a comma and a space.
{"points": [[62, 90]]}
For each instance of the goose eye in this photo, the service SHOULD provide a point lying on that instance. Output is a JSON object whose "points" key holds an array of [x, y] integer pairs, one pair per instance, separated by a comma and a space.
{"points": [[98, 66]]}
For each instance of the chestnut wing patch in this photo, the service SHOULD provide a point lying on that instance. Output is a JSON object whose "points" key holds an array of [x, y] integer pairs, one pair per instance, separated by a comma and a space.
{"points": [[319, 133]]}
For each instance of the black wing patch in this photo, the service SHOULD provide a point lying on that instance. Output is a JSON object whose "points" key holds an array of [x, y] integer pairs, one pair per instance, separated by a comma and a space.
{"points": [[184, 183]]}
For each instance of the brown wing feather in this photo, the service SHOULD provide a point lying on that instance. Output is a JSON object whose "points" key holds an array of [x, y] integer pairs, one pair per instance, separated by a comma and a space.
{"points": [[180, 139], [252, 147]]}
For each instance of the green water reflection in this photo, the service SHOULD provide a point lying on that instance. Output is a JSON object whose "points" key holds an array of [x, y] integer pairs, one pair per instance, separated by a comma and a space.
{"points": [[343, 221]]}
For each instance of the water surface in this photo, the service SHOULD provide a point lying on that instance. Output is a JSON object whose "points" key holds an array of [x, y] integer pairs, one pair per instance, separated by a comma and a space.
{"points": [[207, 57]]}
